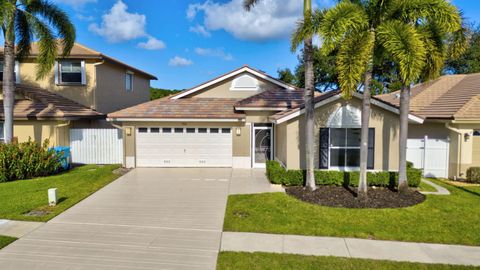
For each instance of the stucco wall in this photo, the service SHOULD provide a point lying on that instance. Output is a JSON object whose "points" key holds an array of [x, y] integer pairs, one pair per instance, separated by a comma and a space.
{"points": [[111, 94], [222, 89], [464, 153], [42, 130]]}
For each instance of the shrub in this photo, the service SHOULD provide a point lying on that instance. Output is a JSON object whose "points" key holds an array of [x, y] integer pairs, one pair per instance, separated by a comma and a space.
{"points": [[27, 160], [473, 174], [279, 175]]}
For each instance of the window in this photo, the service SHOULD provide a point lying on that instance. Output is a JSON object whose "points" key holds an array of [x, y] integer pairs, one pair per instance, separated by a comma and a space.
{"points": [[340, 147], [154, 130], [214, 130], [167, 130], [129, 81], [178, 130], [190, 130], [202, 130], [476, 133], [16, 73], [71, 72], [142, 130], [2, 134], [245, 82], [225, 130]]}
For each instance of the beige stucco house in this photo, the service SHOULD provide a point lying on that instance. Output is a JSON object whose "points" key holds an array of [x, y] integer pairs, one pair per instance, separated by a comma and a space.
{"points": [[79, 92], [245, 117]]}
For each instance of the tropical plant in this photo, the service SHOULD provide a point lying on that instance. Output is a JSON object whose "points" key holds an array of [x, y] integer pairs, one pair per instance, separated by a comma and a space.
{"points": [[22, 22], [307, 40]]}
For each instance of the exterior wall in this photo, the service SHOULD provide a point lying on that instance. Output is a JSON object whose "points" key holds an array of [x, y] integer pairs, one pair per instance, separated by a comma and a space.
{"points": [[476, 152], [111, 83], [464, 153], [386, 126], [83, 94], [41, 130], [281, 143], [222, 89]]}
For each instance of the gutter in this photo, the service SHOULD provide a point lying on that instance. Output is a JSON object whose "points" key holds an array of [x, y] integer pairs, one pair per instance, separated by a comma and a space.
{"points": [[459, 150]]}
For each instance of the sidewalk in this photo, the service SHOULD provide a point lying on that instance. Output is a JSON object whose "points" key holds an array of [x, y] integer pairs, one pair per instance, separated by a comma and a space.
{"points": [[351, 247], [17, 229]]}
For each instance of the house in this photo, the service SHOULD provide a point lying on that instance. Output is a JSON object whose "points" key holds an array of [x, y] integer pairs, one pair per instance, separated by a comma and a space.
{"points": [[77, 94]]}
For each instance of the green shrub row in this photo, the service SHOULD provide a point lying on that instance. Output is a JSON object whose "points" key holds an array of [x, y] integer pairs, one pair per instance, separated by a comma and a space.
{"points": [[27, 160], [473, 174], [279, 175]]}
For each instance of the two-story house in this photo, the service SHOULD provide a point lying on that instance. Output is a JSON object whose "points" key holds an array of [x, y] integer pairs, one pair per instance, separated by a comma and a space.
{"points": [[78, 93]]}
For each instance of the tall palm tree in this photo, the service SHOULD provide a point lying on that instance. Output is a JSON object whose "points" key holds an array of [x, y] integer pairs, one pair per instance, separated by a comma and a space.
{"points": [[22, 22], [308, 95], [425, 34]]}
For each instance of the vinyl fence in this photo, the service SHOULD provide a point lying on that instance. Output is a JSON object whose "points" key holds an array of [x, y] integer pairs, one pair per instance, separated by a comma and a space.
{"points": [[96, 146]]}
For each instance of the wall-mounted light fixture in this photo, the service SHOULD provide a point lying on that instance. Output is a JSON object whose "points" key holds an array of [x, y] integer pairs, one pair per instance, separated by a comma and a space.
{"points": [[466, 136], [238, 131], [128, 131]]}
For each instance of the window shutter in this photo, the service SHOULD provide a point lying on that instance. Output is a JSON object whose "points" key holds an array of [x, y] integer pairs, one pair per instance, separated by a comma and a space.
{"points": [[371, 149], [55, 69], [17, 72], [84, 76], [324, 143]]}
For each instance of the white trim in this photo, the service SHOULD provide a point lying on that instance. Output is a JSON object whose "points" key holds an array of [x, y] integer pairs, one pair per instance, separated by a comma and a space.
{"points": [[174, 120], [302, 111], [261, 165], [260, 108], [56, 70], [234, 82], [84, 75], [232, 74]]}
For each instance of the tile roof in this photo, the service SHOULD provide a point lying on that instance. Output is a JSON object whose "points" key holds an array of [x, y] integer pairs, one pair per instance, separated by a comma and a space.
{"points": [[38, 103], [194, 108], [275, 98], [448, 97]]}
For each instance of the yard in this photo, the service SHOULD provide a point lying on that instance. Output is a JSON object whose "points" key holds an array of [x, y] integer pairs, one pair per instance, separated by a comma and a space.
{"points": [[18, 198], [452, 219], [6, 240], [240, 260]]}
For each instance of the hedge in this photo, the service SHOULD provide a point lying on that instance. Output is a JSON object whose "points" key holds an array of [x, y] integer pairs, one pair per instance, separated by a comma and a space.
{"points": [[473, 174], [279, 175], [27, 160]]}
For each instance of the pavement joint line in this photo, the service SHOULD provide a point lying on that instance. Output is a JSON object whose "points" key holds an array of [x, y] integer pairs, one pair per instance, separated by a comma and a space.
{"points": [[136, 226], [346, 246]]}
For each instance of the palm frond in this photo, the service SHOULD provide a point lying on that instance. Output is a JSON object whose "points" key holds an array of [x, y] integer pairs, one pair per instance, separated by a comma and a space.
{"points": [[354, 56], [405, 44], [307, 28], [435, 52], [24, 34], [458, 42], [249, 4]]}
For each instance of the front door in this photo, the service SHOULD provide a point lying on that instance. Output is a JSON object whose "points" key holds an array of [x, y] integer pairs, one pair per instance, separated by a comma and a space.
{"points": [[262, 145]]}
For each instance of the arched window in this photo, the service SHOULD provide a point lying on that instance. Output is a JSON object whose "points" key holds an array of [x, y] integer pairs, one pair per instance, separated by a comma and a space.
{"points": [[245, 82], [345, 117]]}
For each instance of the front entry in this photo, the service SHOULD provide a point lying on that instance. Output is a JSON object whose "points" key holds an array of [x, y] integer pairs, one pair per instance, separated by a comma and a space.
{"points": [[262, 144]]}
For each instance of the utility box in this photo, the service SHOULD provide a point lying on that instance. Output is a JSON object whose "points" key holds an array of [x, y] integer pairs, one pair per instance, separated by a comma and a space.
{"points": [[52, 196]]}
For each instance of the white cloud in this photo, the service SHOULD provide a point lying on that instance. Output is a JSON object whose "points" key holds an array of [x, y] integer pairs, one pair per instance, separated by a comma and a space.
{"points": [[75, 3], [178, 61], [119, 25], [269, 19], [85, 18], [219, 52], [199, 29], [152, 44]]}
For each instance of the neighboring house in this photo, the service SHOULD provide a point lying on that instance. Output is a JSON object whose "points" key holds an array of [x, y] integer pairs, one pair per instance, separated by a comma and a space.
{"points": [[80, 90]]}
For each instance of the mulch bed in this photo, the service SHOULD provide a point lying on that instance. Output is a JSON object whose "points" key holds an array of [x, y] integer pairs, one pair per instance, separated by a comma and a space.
{"points": [[333, 196]]}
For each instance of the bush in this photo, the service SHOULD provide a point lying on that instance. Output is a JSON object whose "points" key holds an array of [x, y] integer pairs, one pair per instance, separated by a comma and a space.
{"points": [[27, 160], [279, 175], [473, 174]]}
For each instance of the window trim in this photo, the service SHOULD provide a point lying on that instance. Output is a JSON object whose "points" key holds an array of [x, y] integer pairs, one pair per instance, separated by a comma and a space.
{"points": [[16, 71], [131, 74], [233, 86], [58, 73]]}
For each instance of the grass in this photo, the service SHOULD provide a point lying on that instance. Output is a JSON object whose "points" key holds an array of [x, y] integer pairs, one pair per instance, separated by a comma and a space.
{"points": [[252, 261], [20, 197], [452, 219], [6, 240], [426, 187]]}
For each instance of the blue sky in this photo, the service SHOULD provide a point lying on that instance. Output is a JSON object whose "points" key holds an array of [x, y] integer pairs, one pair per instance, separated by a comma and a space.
{"points": [[186, 42]]}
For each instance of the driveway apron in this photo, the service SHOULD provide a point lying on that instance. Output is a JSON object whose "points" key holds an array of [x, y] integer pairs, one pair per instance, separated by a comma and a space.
{"points": [[148, 219]]}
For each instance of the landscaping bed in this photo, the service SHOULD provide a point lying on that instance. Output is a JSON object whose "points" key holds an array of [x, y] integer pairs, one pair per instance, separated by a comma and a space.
{"points": [[334, 196]]}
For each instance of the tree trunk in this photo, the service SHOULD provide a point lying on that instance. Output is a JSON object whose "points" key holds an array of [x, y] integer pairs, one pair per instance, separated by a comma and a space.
{"points": [[404, 111], [363, 185], [309, 104], [9, 81]]}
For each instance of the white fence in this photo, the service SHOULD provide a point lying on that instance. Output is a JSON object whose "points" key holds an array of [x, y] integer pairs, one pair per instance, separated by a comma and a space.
{"points": [[430, 155], [96, 146]]}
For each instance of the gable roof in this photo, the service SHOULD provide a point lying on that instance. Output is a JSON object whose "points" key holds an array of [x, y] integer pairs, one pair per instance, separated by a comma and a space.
{"points": [[231, 74], [38, 103], [448, 97], [189, 108], [274, 99], [80, 51]]}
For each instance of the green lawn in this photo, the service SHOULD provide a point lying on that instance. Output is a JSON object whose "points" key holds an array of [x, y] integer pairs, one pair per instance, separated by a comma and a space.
{"points": [[453, 219], [20, 197], [426, 187], [6, 240], [253, 261]]}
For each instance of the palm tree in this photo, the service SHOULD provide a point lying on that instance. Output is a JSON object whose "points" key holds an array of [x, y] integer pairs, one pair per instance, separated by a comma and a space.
{"points": [[419, 42], [23, 21], [308, 95]]}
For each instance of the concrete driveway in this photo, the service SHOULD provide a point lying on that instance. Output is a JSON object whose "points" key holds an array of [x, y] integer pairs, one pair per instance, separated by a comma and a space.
{"points": [[148, 219]]}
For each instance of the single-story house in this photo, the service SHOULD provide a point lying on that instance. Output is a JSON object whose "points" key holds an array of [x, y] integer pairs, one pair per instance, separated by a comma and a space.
{"points": [[246, 117]]}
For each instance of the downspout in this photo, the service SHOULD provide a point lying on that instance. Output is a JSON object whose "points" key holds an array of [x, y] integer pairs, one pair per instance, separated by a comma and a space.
{"points": [[60, 126], [459, 150], [95, 86]]}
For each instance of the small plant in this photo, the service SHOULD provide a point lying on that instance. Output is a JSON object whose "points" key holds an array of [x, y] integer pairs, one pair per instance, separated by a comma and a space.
{"points": [[27, 160], [473, 174]]}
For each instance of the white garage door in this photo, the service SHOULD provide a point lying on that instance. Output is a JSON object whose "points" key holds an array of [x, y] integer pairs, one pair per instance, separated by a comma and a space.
{"points": [[184, 147], [430, 155]]}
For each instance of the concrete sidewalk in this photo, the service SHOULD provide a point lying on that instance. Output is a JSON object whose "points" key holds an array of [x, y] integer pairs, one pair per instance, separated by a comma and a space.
{"points": [[351, 247], [14, 228]]}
